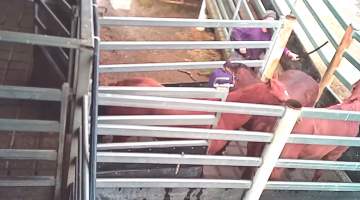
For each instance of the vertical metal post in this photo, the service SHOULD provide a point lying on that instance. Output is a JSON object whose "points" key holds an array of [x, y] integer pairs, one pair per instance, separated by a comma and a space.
{"points": [[61, 142], [85, 150], [94, 110], [237, 8], [273, 150], [236, 12], [280, 42], [225, 90]]}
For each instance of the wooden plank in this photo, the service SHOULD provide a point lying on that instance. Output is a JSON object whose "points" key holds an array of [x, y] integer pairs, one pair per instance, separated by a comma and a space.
{"points": [[273, 58], [335, 61]]}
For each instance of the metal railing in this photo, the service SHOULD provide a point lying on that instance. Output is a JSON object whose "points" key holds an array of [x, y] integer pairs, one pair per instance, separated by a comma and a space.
{"points": [[160, 22], [171, 98], [288, 6], [41, 126]]}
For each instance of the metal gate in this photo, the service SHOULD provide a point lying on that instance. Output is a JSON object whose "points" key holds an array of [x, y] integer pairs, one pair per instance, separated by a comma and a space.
{"points": [[179, 98], [62, 37]]}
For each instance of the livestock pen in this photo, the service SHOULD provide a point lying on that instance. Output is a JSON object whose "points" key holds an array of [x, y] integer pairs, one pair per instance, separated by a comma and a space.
{"points": [[63, 65], [147, 169]]}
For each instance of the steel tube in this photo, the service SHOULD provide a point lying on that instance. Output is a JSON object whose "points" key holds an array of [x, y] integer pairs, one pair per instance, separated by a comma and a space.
{"points": [[272, 151], [221, 183], [29, 125], [158, 120], [153, 144], [172, 66], [179, 22], [191, 159], [224, 107], [21, 181], [28, 154], [34, 39], [30, 93], [198, 133], [153, 45], [175, 92], [189, 104]]}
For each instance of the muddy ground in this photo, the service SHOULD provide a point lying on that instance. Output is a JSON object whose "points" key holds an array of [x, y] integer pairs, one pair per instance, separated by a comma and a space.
{"points": [[155, 8]]}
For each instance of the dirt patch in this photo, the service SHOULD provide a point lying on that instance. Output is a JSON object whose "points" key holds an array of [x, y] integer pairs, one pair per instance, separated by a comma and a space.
{"points": [[155, 8]]}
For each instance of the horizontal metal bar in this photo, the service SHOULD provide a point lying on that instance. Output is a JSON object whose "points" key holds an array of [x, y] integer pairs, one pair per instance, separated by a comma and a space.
{"points": [[318, 164], [198, 133], [188, 133], [324, 140], [170, 183], [189, 104], [27, 154], [153, 144], [31, 93], [224, 107], [172, 66], [323, 113], [181, 22], [29, 125], [34, 39], [178, 92], [152, 45], [33, 181], [159, 120], [220, 183], [156, 158]]}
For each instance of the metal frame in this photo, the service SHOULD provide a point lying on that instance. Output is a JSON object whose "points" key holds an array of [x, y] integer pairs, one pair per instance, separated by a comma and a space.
{"points": [[158, 120], [324, 58], [146, 45], [180, 22], [34, 39], [53, 17], [175, 92], [153, 144], [214, 134], [171, 66], [191, 159], [215, 106], [221, 183], [158, 98], [38, 94], [37, 181]]}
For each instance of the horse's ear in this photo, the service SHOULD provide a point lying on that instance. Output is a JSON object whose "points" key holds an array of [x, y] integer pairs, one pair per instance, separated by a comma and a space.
{"points": [[355, 93], [276, 75], [278, 89]]}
